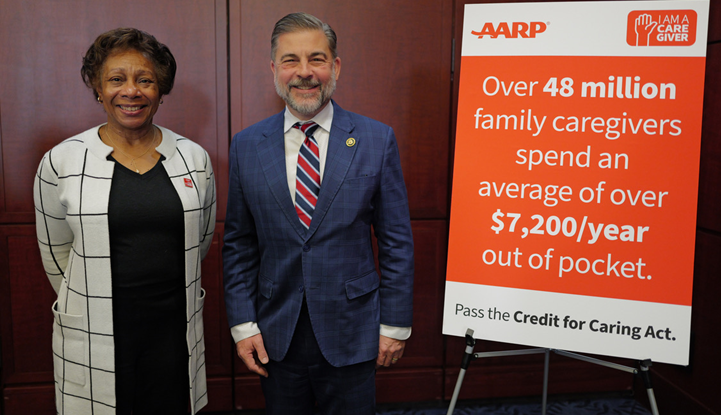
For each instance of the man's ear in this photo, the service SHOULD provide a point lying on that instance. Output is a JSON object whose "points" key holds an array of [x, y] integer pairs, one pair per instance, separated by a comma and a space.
{"points": [[337, 67]]}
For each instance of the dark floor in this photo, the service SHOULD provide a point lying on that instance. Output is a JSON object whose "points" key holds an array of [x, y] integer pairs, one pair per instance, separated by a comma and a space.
{"points": [[609, 404], [572, 406]]}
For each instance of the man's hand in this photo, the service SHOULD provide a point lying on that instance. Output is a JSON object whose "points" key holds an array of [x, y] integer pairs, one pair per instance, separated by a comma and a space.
{"points": [[252, 352], [389, 351]]}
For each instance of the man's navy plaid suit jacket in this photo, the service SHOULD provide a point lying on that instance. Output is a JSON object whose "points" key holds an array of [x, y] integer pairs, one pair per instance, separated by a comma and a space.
{"points": [[271, 261]]}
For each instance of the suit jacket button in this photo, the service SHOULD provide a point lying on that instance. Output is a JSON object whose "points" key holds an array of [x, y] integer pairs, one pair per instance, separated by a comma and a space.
{"points": [[300, 288], [306, 248]]}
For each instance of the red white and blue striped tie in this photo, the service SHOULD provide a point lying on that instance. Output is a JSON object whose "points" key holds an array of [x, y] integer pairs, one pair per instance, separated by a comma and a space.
{"points": [[307, 178]]}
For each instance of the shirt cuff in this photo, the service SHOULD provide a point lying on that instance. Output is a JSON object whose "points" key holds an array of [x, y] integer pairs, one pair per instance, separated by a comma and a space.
{"points": [[244, 330], [398, 333]]}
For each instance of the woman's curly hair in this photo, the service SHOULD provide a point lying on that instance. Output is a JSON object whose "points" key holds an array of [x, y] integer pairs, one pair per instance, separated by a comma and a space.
{"points": [[124, 39]]}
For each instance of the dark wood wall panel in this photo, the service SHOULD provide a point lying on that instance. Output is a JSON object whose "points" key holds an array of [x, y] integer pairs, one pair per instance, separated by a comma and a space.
{"points": [[709, 199], [425, 347], [26, 301], [714, 26], [44, 101], [25, 324], [248, 394], [411, 385], [690, 390], [693, 389], [395, 68], [32, 399], [218, 343], [217, 335]]}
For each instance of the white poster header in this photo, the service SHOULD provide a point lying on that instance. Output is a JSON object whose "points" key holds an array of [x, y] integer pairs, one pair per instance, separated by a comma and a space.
{"points": [[623, 28]]}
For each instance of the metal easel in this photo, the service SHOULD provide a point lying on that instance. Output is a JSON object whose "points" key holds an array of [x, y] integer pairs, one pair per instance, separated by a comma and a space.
{"points": [[469, 356]]}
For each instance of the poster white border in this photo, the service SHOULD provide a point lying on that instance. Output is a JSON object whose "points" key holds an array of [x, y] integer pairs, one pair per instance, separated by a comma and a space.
{"points": [[575, 29], [663, 329]]}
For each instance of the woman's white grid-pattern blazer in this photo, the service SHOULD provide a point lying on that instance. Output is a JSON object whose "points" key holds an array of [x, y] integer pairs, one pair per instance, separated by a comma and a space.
{"points": [[71, 192]]}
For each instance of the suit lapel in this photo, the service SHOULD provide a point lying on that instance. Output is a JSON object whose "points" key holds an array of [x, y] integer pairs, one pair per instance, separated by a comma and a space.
{"points": [[337, 163], [271, 152]]}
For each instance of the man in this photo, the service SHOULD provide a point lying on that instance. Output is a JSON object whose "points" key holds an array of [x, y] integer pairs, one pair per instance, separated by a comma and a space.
{"points": [[306, 307]]}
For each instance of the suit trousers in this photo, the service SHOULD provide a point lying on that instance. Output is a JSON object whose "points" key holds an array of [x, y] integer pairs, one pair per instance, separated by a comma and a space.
{"points": [[304, 379]]}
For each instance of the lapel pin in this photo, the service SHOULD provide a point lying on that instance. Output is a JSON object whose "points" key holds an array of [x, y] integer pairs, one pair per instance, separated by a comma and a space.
{"points": [[350, 142]]}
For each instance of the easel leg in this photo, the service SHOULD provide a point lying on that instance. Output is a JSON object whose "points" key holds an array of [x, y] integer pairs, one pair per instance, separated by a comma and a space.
{"points": [[646, 376], [544, 399], [470, 356], [467, 358]]}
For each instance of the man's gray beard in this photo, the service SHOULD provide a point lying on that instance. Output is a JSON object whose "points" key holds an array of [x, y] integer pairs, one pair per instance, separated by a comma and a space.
{"points": [[309, 107]]}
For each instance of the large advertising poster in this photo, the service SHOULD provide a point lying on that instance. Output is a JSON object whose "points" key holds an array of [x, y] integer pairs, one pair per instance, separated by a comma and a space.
{"points": [[575, 177]]}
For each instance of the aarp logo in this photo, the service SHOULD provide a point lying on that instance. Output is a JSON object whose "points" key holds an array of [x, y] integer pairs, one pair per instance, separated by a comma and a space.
{"points": [[661, 28], [512, 30]]}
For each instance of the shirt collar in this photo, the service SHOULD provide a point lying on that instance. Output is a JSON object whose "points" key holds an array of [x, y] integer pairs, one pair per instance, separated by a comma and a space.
{"points": [[323, 118]]}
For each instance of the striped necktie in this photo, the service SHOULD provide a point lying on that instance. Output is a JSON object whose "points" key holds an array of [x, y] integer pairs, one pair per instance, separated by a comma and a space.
{"points": [[307, 178]]}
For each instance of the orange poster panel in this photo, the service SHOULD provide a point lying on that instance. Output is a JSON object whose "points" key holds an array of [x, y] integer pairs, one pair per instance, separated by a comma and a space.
{"points": [[578, 175]]}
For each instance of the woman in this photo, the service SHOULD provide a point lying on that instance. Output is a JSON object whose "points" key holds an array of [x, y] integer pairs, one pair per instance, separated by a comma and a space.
{"points": [[125, 212]]}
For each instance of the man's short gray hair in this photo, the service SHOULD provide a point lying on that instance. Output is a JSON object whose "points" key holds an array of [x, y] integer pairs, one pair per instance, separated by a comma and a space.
{"points": [[295, 22]]}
